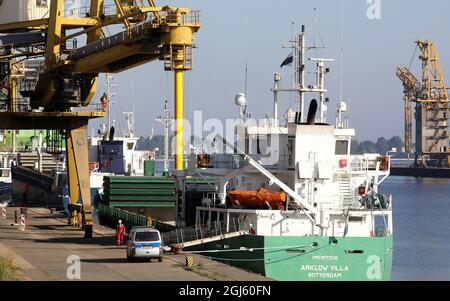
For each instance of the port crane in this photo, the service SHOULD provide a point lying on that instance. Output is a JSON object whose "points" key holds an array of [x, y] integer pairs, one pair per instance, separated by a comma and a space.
{"points": [[48, 82], [432, 106]]}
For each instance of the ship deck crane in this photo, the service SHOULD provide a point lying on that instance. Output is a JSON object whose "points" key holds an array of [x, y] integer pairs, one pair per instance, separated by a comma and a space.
{"points": [[59, 96], [430, 94]]}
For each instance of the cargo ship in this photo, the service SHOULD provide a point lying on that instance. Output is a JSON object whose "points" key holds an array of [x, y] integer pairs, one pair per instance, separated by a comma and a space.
{"points": [[310, 210], [421, 172], [40, 179]]}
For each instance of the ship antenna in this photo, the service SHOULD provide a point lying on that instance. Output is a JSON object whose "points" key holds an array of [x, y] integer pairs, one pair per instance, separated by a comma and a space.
{"points": [[341, 106], [294, 48], [316, 33], [244, 108], [246, 60], [341, 79]]}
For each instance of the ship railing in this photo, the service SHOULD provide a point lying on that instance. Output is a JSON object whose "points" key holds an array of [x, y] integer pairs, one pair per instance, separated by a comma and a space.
{"points": [[355, 203], [208, 230], [363, 164], [130, 219], [368, 163], [340, 202], [349, 202], [343, 202]]}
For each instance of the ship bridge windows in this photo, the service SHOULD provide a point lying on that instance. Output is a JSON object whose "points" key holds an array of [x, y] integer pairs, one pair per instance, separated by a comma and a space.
{"points": [[342, 147], [258, 145]]}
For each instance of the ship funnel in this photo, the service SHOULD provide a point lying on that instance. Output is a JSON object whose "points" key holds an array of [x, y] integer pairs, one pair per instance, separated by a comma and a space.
{"points": [[312, 112], [298, 120], [111, 134]]}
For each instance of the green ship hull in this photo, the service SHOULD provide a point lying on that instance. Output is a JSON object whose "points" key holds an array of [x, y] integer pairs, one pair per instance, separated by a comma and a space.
{"points": [[310, 258]]}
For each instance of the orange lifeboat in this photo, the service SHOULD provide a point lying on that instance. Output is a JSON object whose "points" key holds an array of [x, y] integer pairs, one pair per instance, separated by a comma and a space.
{"points": [[93, 165], [258, 199]]}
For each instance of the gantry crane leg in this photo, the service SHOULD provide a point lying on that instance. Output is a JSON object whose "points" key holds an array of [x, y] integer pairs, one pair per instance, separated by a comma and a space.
{"points": [[179, 116], [80, 206], [408, 125]]}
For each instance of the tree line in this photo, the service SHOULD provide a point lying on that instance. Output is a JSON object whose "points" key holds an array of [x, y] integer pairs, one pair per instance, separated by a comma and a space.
{"points": [[382, 146]]}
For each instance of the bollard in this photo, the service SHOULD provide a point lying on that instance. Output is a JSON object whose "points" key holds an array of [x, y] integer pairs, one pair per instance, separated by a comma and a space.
{"points": [[24, 211], [189, 261], [16, 221], [3, 212], [22, 222]]}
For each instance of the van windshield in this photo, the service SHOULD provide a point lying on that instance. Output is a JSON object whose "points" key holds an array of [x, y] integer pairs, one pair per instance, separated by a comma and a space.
{"points": [[146, 236]]}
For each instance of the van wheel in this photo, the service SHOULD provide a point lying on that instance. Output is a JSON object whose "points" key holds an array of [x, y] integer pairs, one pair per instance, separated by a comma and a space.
{"points": [[160, 259]]}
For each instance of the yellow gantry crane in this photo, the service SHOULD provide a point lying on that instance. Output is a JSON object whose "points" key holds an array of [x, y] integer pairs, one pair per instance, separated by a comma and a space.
{"points": [[430, 95], [59, 94], [411, 89]]}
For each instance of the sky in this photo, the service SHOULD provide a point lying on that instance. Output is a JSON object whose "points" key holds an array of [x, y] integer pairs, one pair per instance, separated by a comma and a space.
{"points": [[256, 29]]}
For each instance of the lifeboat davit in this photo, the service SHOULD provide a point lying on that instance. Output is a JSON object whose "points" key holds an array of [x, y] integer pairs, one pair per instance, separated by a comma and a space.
{"points": [[258, 199]]}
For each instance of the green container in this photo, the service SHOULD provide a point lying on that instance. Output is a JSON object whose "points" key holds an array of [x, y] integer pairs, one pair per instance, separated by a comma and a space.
{"points": [[169, 192], [138, 180], [141, 198], [141, 186], [149, 168]]}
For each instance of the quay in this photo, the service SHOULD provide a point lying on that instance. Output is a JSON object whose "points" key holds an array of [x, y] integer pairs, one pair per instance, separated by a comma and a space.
{"points": [[42, 251]]}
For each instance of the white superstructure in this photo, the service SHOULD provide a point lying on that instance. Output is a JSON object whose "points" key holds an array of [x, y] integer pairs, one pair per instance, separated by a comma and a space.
{"points": [[329, 191], [23, 10]]}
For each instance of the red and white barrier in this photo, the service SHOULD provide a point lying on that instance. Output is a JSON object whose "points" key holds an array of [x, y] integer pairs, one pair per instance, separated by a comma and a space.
{"points": [[3, 212], [22, 222]]}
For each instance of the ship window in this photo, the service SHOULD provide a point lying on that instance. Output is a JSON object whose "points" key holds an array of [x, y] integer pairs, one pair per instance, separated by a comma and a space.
{"points": [[258, 146], [263, 143], [342, 147], [41, 3], [356, 218], [130, 146]]}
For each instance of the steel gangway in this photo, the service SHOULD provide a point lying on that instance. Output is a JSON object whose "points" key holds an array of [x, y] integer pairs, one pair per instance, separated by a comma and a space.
{"points": [[200, 234]]}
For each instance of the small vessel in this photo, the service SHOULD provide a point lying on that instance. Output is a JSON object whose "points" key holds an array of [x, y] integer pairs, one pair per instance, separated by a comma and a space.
{"points": [[311, 210], [40, 178]]}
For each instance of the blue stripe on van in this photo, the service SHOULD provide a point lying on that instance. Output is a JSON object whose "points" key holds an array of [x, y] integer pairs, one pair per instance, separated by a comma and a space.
{"points": [[147, 244]]}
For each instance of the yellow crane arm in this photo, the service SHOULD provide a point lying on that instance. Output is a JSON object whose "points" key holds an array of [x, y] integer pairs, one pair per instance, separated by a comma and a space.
{"points": [[410, 82]]}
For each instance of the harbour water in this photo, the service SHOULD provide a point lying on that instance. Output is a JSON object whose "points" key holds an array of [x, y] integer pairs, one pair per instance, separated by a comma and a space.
{"points": [[421, 228]]}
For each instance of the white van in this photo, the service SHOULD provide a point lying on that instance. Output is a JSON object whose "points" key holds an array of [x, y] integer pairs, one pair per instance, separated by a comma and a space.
{"points": [[144, 243]]}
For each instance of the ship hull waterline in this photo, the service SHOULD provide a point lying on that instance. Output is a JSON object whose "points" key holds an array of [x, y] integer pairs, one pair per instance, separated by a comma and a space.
{"points": [[293, 258]]}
